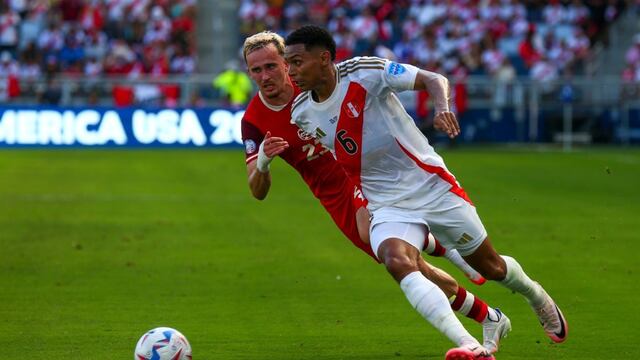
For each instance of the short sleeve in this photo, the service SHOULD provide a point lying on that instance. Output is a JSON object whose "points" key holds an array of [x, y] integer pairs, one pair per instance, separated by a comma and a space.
{"points": [[251, 137], [400, 77], [379, 76]]}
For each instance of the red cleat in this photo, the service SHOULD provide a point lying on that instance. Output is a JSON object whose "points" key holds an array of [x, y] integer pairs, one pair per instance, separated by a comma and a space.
{"points": [[469, 352], [479, 280]]}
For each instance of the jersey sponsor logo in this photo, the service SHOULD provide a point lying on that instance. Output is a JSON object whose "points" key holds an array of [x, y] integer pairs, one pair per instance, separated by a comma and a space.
{"points": [[250, 146], [396, 69], [319, 133], [304, 136], [351, 110], [333, 119]]}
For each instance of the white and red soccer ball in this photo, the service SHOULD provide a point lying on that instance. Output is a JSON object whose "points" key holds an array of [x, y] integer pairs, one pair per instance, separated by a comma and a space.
{"points": [[163, 343]]}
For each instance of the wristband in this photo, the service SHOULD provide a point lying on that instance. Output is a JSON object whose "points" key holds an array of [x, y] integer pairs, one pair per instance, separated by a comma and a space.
{"points": [[263, 161]]}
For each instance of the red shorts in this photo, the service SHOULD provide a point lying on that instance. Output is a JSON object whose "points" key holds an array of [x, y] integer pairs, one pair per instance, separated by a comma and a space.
{"points": [[342, 209]]}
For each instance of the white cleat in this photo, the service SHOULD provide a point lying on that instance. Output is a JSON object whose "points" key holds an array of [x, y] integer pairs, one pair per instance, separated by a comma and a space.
{"points": [[495, 329], [551, 319], [469, 352]]}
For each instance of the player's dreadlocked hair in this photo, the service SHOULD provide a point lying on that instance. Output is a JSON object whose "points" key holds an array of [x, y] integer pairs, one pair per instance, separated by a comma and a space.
{"points": [[313, 36]]}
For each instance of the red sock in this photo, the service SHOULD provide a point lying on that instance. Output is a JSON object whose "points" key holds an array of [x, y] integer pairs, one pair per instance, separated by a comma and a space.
{"points": [[433, 247], [470, 306]]}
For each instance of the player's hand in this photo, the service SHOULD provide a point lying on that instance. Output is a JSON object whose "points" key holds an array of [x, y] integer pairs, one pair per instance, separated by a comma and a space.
{"points": [[273, 146], [446, 121], [269, 148]]}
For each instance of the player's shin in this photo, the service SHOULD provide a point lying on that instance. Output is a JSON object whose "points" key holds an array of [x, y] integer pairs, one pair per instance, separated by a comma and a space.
{"points": [[432, 304], [516, 280]]}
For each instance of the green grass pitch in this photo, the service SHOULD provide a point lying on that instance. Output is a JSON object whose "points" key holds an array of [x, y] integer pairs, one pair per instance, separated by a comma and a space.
{"points": [[96, 247]]}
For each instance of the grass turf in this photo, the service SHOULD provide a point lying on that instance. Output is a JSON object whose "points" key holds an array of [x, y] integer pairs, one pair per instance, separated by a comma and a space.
{"points": [[96, 247]]}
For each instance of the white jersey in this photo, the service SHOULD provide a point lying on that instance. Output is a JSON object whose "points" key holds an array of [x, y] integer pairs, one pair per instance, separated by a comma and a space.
{"points": [[374, 138]]}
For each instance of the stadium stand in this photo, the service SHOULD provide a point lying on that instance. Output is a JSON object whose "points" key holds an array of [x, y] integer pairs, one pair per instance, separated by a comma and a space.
{"points": [[541, 39], [124, 52], [631, 73], [498, 54], [126, 38]]}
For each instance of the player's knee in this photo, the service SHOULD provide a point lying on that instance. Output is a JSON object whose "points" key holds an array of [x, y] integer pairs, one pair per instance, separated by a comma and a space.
{"points": [[399, 265]]}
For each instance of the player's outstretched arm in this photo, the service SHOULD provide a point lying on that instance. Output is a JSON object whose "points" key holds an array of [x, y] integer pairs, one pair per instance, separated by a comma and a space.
{"points": [[258, 170], [438, 87]]}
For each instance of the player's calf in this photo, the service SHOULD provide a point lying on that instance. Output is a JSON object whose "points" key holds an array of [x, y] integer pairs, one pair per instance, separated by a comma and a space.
{"points": [[487, 262]]}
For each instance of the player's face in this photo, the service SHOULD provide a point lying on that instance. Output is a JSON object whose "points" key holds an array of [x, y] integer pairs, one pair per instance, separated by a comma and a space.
{"points": [[305, 67], [269, 71]]}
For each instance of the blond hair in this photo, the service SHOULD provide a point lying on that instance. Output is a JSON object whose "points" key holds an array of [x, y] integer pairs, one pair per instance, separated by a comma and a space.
{"points": [[260, 40]]}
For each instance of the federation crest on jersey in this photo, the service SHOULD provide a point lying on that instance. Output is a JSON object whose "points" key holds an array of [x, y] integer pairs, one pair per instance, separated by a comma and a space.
{"points": [[250, 146], [351, 110], [396, 69], [304, 136]]}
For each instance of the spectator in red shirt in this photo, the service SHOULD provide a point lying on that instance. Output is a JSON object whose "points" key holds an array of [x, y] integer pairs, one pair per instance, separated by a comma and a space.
{"points": [[527, 49]]}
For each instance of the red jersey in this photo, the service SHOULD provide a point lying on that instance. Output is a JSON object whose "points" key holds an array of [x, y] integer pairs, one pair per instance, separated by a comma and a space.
{"points": [[315, 163]]}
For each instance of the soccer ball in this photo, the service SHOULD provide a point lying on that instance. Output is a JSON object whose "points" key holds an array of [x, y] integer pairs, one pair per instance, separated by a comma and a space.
{"points": [[163, 343]]}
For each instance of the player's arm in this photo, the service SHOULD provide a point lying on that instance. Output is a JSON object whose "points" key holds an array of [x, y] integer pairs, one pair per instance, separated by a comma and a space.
{"points": [[258, 157], [259, 182], [258, 169], [401, 77], [438, 87]]}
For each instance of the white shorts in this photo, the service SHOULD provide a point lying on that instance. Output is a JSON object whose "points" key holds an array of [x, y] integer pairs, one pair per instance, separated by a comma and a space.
{"points": [[414, 234], [451, 219]]}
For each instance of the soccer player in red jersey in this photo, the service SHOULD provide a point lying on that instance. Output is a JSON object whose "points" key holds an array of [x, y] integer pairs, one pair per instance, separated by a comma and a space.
{"points": [[267, 132]]}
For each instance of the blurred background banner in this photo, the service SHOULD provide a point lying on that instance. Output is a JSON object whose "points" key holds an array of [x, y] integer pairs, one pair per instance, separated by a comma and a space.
{"points": [[152, 126], [38, 126]]}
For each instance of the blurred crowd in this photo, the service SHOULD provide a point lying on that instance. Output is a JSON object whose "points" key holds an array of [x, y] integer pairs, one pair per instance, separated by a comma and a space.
{"points": [[631, 73], [500, 38], [133, 38]]}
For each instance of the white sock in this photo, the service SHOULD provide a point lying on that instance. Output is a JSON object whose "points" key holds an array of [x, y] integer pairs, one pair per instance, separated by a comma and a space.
{"points": [[433, 305], [519, 282], [456, 259]]}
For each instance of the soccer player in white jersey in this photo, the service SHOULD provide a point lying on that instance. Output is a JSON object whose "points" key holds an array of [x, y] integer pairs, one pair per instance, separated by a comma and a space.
{"points": [[326, 178], [352, 109]]}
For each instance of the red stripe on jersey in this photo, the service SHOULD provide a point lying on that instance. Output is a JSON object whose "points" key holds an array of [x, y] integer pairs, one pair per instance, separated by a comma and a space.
{"points": [[442, 173], [348, 140]]}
